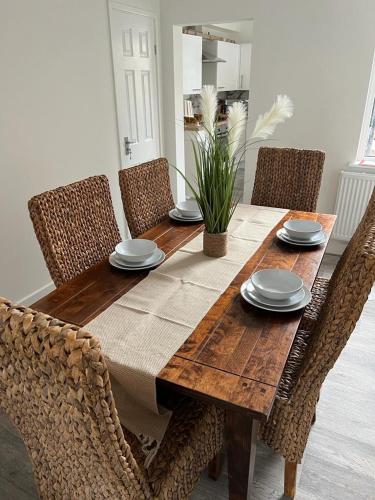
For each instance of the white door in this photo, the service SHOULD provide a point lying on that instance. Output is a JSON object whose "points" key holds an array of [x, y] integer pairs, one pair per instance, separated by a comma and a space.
{"points": [[134, 59]]}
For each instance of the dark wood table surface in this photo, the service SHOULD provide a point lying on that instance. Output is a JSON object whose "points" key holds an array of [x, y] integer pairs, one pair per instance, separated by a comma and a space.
{"points": [[236, 355]]}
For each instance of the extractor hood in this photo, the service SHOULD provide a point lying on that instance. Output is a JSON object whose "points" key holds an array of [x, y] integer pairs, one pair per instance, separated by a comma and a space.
{"points": [[209, 58]]}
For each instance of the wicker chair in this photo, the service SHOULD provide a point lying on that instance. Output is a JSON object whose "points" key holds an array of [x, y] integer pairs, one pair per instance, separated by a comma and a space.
{"points": [[315, 351], [146, 195], [288, 178], [75, 226], [55, 388]]}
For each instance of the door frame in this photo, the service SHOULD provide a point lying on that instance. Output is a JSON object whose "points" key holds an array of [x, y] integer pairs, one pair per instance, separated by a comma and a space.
{"points": [[123, 6]]}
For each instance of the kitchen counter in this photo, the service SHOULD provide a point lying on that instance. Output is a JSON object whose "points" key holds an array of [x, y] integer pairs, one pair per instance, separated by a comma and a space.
{"points": [[194, 127]]}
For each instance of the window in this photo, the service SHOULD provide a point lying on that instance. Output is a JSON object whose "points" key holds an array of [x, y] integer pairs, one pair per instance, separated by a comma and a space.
{"points": [[366, 148], [370, 147]]}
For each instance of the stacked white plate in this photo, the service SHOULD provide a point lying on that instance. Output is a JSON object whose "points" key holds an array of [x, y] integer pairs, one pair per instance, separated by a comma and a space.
{"points": [[301, 232], [186, 211], [136, 255], [276, 290]]}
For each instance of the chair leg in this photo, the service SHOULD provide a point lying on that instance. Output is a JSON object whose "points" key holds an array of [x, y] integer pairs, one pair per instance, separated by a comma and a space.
{"points": [[290, 479], [215, 466]]}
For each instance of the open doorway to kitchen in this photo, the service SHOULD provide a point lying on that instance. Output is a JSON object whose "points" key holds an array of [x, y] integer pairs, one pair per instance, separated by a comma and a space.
{"points": [[218, 55]]}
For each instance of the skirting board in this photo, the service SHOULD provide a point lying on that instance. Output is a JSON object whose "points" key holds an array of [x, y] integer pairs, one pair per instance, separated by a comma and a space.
{"points": [[37, 294]]}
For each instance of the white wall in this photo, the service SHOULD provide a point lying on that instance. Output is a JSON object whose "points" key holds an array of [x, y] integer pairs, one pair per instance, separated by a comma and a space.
{"points": [[57, 119], [319, 53]]}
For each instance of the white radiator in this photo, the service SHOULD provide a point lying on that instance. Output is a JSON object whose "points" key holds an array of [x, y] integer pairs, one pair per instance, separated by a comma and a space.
{"points": [[352, 198]]}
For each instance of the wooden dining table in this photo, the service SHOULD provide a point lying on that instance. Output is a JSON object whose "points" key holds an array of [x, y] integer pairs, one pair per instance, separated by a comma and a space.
{"points": [[235, 357]]}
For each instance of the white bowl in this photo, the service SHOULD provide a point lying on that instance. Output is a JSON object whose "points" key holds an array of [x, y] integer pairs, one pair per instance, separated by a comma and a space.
{"points": [[302, 229], [188, 208], [135, 250], [276, 284]]}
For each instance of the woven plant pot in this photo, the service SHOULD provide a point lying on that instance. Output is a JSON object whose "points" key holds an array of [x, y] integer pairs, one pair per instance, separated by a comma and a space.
{"points": [[215, 244]]}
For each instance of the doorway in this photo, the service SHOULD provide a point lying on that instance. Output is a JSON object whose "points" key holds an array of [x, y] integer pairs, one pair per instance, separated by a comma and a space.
{"points": [[218, 55], [136, 85]]}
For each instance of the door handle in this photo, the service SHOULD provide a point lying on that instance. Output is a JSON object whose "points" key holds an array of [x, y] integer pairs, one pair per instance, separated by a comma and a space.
{"points": [[127, 145]]}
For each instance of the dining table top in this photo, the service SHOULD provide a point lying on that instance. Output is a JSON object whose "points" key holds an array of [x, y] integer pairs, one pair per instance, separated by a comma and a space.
{"points": [[236, 355]]}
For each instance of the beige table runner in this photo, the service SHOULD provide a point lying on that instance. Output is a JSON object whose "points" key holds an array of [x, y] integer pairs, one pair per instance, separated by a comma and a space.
{"points": [[141, 331]]}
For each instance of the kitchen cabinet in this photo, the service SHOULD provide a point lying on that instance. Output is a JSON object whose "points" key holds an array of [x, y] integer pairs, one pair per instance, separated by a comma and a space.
{"points": [[223, 75], [228, 72], [192, 64], [245, 64]]}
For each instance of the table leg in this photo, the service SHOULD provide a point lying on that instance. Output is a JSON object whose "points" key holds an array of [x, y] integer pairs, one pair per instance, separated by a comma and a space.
{"points": [[241, 433], [215, 466]]}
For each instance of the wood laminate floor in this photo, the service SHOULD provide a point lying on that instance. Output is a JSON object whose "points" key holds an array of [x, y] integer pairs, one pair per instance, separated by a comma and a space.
{"points": [[339, 461]]}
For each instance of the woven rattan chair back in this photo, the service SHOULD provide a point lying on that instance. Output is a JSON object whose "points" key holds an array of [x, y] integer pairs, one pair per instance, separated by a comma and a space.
{"points": [[146, 195], [288, 178], [346, 297], [289, 425], [54, 386], [75, 226]]}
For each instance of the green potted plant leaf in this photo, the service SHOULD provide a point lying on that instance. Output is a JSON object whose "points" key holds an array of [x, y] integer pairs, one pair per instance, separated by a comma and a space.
{"points": [[217, 160]]}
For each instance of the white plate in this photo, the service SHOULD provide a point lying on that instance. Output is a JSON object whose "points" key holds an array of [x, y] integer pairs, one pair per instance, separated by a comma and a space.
{"points": [[147, 262], [277, 303], [316, 237], [177, 214], [137, 267], [280, 234], [255, 303], [173, 214]]}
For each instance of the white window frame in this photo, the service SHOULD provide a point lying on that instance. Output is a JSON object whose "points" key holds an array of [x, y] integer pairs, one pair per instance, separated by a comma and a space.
{"points": [[364, 137]]}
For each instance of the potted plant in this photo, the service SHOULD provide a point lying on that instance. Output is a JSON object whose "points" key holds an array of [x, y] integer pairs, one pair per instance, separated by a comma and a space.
{"points": [[217, 160]]}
